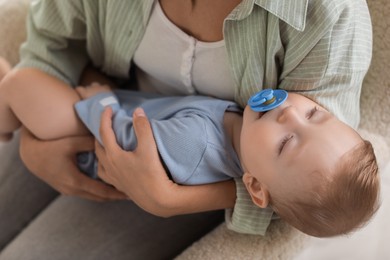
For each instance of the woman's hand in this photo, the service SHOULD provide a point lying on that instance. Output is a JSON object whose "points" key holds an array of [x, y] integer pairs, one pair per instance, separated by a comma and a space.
{"points": [[142, 177], [55, 163], [139, 174]]}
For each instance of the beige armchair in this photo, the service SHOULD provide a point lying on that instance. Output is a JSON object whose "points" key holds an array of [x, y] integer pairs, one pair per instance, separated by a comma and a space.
{"points": [[281, 241]]}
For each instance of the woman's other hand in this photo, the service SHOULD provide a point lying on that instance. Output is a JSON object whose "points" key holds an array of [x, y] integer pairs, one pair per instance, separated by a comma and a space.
{"points": [[55, 163], [92, 90]]}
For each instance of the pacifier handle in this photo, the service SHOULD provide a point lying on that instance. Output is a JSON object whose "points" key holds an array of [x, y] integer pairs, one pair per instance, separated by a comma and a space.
{"points": [[267, 99]]}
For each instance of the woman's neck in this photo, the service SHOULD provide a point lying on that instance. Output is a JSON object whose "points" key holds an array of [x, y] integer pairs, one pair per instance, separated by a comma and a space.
{"points": [[232, 123], [202, 19]]}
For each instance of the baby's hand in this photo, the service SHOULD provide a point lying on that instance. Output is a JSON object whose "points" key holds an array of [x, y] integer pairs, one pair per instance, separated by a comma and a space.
{"points": [[92, 90]]}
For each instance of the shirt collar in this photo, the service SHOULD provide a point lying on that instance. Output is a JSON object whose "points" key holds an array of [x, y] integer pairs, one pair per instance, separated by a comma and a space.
{"points": [[294, 16]]}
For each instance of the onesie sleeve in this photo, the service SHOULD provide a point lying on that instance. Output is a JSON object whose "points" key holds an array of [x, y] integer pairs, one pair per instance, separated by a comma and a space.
{"points": [[90, 111], [182, 144], [56, 39]]}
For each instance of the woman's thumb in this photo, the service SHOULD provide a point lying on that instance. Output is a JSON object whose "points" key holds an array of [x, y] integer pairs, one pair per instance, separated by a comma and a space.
{"points": [[143, 131]]}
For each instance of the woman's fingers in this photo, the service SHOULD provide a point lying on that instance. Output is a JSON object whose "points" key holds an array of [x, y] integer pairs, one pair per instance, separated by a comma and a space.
{"points": [[54, 162], [100, 154], [100, 190], [106, 132]]}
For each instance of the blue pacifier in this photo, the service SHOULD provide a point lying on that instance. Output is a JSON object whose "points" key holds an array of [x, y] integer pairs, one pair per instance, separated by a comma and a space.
{"points": [[267, 99]]}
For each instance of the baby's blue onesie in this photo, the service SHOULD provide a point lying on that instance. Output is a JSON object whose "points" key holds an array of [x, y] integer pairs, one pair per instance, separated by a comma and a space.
{"points": [[188, 130]]}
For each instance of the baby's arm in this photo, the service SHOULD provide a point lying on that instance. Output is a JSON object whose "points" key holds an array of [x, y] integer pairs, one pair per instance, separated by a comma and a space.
{"points": [[42, 103]]}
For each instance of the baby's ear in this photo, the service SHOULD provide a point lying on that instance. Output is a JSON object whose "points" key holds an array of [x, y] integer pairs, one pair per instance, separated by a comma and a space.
{"points": [[259, 194]]}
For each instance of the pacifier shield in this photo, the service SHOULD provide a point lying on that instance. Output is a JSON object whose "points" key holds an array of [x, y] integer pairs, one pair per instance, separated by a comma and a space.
{"points": [[267, 99]]}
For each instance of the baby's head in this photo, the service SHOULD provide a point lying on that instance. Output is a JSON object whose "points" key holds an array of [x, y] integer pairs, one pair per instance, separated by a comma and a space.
{"points": [[316, 172]]}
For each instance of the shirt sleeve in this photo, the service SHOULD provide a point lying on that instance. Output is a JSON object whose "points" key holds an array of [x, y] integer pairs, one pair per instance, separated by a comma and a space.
{"points": [[246, 217], [56, 33], [332, 73]]}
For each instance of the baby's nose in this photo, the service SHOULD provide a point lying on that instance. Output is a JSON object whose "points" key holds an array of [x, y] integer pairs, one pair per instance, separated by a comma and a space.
{"points": [[289, 114]]}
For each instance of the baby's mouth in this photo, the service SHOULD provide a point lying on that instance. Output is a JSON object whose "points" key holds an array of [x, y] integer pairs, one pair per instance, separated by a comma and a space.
{"points": [[260, 114]]}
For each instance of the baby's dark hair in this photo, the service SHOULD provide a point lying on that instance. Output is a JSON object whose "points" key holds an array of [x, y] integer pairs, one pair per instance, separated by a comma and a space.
{"points": [[339, 205]]}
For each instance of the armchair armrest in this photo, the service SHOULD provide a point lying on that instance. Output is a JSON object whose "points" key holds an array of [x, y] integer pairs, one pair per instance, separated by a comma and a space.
{"points": [[13, 15]]}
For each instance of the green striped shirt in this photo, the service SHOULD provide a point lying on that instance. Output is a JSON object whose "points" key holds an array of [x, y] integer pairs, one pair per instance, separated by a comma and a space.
{"points": [[319, 48]]}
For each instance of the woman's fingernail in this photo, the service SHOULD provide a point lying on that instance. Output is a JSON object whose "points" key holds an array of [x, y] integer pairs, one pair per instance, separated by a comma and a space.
{"points": [[139, 112]]}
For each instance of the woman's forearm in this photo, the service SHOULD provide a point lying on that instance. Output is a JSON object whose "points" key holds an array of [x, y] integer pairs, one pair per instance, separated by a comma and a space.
{"points": [[192, 199]]}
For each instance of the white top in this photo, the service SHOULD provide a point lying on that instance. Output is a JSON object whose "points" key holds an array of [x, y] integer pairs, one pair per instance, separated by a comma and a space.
{"points": [[171, 62]]}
